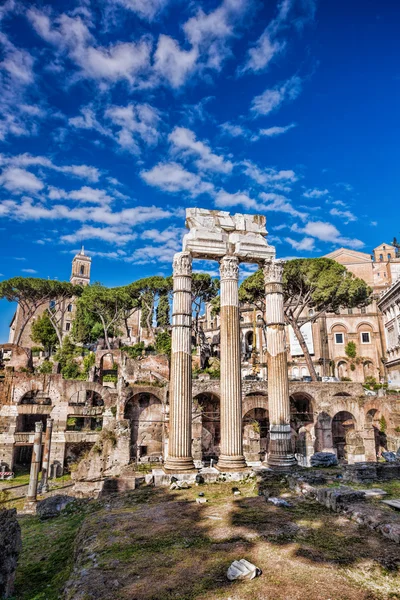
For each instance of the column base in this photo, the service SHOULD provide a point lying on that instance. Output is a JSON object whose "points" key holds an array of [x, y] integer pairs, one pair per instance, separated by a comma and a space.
{"points": [[30, 507], [280, 453], [179, 465], [231, 463]]}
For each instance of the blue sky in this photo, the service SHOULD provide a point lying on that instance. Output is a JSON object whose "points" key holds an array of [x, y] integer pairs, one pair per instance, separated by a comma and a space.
{"points": [[118, 114]]}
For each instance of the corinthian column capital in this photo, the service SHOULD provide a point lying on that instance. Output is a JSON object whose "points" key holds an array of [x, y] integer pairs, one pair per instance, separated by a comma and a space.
{"points": [[273, 271], [182, 264], [229, 268]]}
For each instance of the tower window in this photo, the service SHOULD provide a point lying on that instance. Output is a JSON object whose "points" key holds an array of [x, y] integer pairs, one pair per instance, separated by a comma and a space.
{"points": [[82, 271], [69, 308], [67, 326]]}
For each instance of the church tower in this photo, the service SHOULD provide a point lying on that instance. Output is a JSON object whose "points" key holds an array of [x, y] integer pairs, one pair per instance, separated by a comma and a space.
{"points": [[81, 265]]}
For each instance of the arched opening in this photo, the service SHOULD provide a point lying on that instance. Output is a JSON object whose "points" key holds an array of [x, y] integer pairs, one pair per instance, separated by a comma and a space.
{"points": [[255, 430], [86, 398], [369, 370], [301, 412], [375, 425], [36, 397], [209, 406], [343, 428], [342, 369], [342, 394], [249, 342], [145, 414]]}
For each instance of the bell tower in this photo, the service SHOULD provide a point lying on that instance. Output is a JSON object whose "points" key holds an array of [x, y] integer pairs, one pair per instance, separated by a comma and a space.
{"points": [[81, 265]]}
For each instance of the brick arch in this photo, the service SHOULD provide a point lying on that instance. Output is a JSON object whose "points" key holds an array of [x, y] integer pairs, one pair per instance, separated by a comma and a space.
{"points": [[89, 386], [21, 388], [252, 402], [365, 324], [338, 324]]}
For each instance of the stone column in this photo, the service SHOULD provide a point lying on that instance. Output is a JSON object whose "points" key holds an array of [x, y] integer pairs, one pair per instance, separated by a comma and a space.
{"points": [[231, 457], [46, 456], [280, 451], [180, 399], [35, 464]]}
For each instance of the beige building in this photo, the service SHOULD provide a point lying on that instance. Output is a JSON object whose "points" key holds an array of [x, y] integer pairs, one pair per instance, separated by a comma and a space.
{"points": [[80, 275], [389, 304]]}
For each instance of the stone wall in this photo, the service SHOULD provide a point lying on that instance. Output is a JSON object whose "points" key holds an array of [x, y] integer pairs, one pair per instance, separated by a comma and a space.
{"points": [[10, 547]]}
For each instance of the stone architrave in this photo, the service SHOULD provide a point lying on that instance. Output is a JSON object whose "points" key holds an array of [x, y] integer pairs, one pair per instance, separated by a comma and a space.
{"points": [[180, 417], [46, 456], [280, 451], [35, 464], [231, 457]]}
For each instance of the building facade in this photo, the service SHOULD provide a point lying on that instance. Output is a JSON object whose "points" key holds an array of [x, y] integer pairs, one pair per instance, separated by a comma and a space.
{"points": [[389, 305]]}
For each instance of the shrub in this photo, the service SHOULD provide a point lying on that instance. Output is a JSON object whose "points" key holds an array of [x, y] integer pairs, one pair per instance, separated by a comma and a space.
{"points": [[110, 378], [351, 350], [46, 367]]}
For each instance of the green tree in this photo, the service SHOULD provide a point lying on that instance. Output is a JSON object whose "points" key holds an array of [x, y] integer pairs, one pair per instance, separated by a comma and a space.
{"points": [[320, 284], [163, 311], [107, 306], [396, 244], [163, 343], [42, 332], [146, 292], [204, 289], [59, 304]]}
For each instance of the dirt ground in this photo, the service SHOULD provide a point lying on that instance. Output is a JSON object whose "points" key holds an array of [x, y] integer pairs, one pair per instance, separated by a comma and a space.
{"points": [[157, 544]]}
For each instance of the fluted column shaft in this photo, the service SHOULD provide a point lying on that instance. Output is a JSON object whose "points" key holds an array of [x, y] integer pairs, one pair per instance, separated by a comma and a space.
{"points": [[180, 401], [46, 456], [231, 457], [35, 464], [280, 452]]}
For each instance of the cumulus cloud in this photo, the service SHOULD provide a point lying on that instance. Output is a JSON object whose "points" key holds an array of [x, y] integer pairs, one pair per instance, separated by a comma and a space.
{"points": [[30, 271], [146, 9], [306, 243], [326, 232], [346, 215], [185, 142], [85, 195], [135, 121], [172, 177], [20, 180], [111, 235], [173, 64], [266, 203], [315, 193], [72, 37], [278, 203], [275, 131], [28, 160], [281, 180], [272, 98]]}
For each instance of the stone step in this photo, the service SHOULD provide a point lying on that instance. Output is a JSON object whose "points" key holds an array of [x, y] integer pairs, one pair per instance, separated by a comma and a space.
{"points": [[392, 503]]}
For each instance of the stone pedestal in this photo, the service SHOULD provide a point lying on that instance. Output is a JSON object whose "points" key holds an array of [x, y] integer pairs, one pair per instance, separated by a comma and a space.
{"points": [[231, 457], [180, 401], [35, 465], [280, 451], [46, 456]]}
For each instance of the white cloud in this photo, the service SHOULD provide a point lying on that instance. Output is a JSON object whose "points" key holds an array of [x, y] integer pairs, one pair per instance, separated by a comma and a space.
{"points": [[135, 121], [345, 214], [172, 177], [224, 199], [315, 193], [20, 180], [326, 232], [111, 235], [86, 195], [173, 64], [306, 243], [210, 32], [277, 203], [274, 131], [30, 271], [235, 130], [146, 9], [262, 53], [28, 160], [272, 98], [184, 141], [71, 36], [270, 177]]}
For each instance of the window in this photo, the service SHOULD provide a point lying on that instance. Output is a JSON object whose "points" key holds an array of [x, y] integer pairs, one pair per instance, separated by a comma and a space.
{"points": [[67, 326], [69, 308], [82, 270], [52, 304], [311, 312], [365, 337], [381, 257], [339, 338], [389, 256]]}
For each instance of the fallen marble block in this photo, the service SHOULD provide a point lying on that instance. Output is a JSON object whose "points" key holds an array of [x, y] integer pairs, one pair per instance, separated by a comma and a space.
{"points": [[392, 503], [242, 569], [201, 500], [374, 493], [324, 459], [279, 502]]}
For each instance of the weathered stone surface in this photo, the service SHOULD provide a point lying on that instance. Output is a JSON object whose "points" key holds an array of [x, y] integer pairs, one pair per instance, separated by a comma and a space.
{"points": [[389, 457], [51, 507], [324, 459], [374, 493], [392, 503], [338, 498], [10, 547], [242, 569], [360, 473]]}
